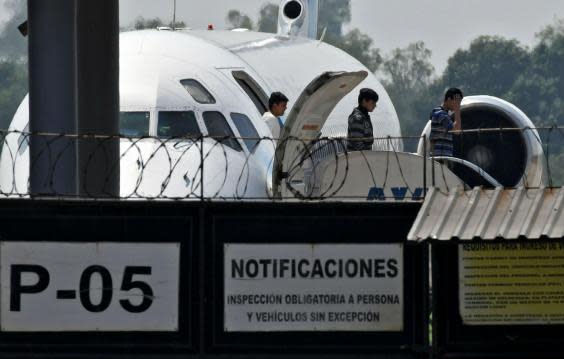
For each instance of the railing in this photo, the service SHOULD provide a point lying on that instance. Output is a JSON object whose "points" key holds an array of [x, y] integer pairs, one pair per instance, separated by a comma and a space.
{"points": [[233, 168]]}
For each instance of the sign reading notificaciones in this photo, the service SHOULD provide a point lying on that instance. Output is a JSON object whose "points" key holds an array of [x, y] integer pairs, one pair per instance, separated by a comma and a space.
{"points": [[309, 287]]}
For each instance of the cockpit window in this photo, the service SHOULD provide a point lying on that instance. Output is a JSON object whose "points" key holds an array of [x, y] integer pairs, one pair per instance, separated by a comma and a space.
{"points": [[219, 129], [198, 91], [178, 124], [134, 124], [247, 130]]}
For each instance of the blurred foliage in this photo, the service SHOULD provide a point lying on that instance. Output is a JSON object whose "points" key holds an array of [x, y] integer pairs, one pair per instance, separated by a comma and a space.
{"points": [[359, 46], [13, 45], [333, 14], [408, 75], [539, 89], [237, 20], [489, 66], [141, 23], [13, 88], [268, 18], [13, 62]]}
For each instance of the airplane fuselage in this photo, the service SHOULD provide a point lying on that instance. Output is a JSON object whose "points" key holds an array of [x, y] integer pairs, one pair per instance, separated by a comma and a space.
{"points": [[212, 84]]}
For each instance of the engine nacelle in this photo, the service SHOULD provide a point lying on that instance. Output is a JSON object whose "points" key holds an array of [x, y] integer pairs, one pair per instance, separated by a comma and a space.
{"points": [[298, 18], [513, 157]]}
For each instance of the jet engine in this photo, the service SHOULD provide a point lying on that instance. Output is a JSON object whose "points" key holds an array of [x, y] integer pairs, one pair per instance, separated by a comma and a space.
{"points": [[298, 18], [513, 156]]}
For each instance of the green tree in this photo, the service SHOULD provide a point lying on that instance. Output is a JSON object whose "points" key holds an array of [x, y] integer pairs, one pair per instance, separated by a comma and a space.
{"points": [[13, 87], [12, 44], [238, 20], [490, 66], [268, 18], [408, 75], [410, 68], [13, 63], [538, 96], [141, 23], [359, 46], [333, 14], [539, 89], [556, 167]]}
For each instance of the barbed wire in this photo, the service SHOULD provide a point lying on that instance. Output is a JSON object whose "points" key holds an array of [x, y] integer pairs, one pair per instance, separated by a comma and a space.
{"points": [[241, 168]]}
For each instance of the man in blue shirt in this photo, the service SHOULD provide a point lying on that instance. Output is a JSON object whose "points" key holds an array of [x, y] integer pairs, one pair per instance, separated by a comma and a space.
{"points": [[445, 119]]}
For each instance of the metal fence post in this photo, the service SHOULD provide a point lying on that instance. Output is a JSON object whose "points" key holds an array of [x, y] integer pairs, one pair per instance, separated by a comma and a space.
{"points": [[432, 164], [424, 166], [202, 168]]}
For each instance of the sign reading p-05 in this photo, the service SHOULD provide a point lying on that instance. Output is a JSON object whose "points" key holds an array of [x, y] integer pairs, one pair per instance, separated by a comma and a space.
{"points": [[17, 288], [89, 286]]}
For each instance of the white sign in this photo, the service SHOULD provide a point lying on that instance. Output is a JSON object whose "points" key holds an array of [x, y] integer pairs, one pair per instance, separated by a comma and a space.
{"points": [[310, 287], [53, 287]]}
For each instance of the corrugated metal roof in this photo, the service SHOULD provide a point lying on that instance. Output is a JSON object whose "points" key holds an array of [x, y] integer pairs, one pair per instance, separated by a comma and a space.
{"points": [[490, 214]]}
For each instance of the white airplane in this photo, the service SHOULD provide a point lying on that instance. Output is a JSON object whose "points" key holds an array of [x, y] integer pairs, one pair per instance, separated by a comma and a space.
{"points": [[192, 83]]}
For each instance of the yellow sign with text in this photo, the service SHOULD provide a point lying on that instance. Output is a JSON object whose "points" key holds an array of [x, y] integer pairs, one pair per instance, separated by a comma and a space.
{"points": [[511, 283]]}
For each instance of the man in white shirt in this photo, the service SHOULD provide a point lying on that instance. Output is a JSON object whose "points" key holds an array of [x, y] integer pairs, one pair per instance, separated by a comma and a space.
{"points": [[277, 105]]}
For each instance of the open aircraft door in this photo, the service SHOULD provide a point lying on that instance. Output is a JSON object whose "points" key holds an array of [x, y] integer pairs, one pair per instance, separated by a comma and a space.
{"points": [[304, 123]]}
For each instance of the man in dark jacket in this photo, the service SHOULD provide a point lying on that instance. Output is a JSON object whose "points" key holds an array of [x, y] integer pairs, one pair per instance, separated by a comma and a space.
{"points": [[360, 132]]}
